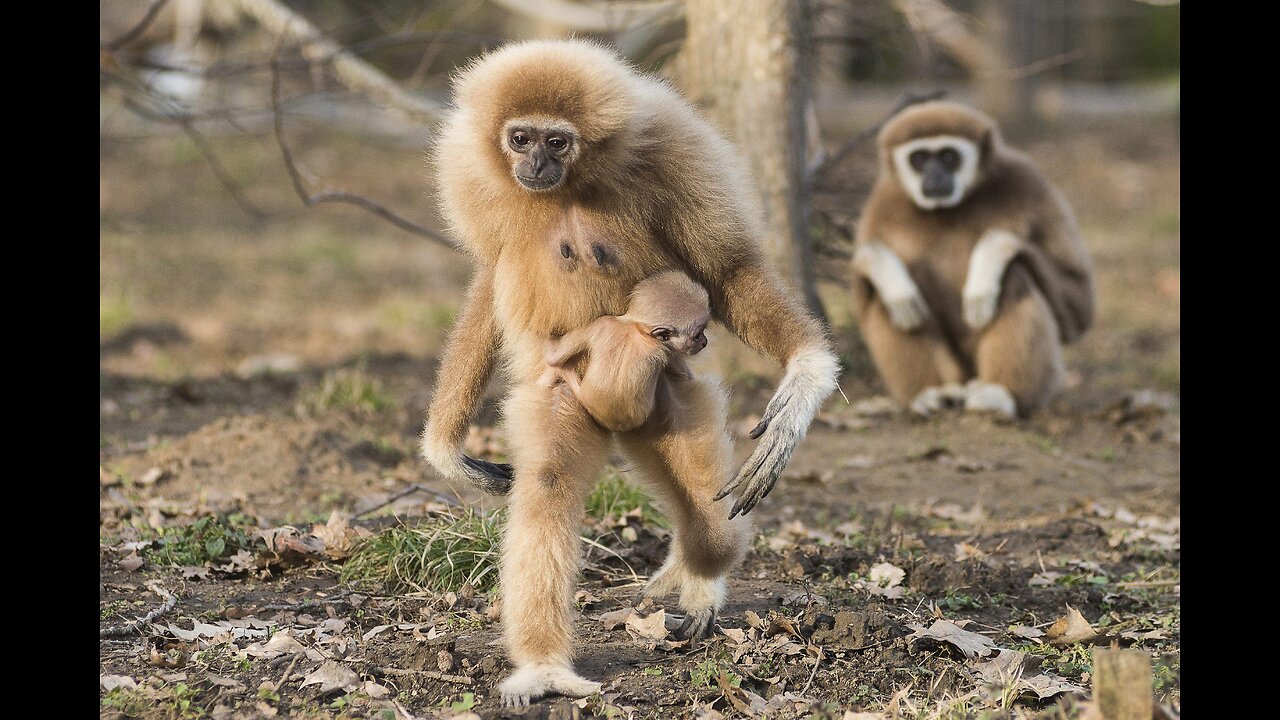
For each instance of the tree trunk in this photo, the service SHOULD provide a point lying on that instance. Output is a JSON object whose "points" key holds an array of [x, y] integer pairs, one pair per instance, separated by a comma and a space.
{"points": [[746, 64]]}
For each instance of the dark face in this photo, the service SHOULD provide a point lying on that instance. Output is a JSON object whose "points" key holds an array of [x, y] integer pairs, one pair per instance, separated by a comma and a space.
{"points": [[937, 170], [541, 155], [689, 341]]}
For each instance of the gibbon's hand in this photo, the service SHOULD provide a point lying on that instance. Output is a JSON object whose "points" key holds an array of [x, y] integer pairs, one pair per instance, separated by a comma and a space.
{"points": [[493, 478], [810, 378], [906, 310], [980, 306], [987, 263]]}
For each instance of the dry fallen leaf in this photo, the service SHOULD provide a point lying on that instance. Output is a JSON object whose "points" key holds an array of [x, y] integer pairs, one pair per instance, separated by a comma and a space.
{"points": [[886, 575], [613, 619], [111, 682], [1070, 629], [225, 682], [331, 676], [1009, 666], [280, 644], [374, 690], [652, 627], [1026, 633], [969, 643]]}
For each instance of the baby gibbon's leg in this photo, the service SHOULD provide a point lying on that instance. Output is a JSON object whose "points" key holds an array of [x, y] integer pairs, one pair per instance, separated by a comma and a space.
{"points": [[558, 452], [685, 454], [917, 366], [1018, 357]]}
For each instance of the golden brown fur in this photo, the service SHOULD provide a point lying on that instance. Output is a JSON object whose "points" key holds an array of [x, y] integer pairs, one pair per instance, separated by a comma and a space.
{"points": [[615, 363], [1046, 293], [651, 188]]}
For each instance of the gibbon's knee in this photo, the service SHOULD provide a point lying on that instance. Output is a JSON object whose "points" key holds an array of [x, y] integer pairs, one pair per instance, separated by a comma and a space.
{"points": [[1020, 350], [909, 362]]}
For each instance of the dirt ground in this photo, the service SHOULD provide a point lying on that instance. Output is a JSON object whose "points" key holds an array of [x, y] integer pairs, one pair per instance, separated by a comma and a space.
{"points": [[280, 370]]}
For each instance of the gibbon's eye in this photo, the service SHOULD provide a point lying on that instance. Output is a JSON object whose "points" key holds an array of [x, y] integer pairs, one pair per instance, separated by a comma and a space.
{"points": [[662, 334], [520, 138], [918, 159], [950, 158], [558, 143]]}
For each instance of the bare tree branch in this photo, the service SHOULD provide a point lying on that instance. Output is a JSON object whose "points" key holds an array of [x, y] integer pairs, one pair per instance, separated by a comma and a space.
{"points": [[819, 173], [595, 16], [350, 70], [132, 33], [312, 199]]}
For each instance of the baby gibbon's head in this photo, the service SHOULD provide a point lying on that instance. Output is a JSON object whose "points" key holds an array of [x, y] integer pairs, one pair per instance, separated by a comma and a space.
{"points": [[673, 309]]}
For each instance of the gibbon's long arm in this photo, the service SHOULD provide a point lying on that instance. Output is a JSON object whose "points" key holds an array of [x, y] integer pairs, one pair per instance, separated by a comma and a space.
{"points": [[1061, 264], [987, 263], [751, 302], [570, 345], [888, 275], [468, 363]]}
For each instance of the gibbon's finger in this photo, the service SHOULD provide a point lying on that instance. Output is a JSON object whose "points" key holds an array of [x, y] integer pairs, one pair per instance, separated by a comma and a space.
{"points": [[728, 488], [774, 454], [757, 431]]}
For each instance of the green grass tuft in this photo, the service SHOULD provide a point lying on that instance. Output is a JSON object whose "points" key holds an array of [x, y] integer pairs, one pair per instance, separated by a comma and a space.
{"points": [[349, 389], [441, 553], [614, 497]]}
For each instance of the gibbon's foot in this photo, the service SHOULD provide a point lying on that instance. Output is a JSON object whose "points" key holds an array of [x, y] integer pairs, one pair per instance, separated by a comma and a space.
{"points": [[989, 397], [532, 682], [938, 397], [698, 624], [663, 582]]}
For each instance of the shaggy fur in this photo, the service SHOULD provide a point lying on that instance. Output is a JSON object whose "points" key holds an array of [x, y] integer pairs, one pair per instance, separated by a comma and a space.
{"points": [[651, 187], [986, 290]]}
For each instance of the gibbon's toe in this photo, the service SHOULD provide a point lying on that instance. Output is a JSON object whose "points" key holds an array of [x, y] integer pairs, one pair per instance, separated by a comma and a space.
{"points": [[697, 624], [938, 397], [989, 397]]}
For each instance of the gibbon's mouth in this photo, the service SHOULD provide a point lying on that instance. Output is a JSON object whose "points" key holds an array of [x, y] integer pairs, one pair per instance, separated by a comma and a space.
{"points": [[538, 184]]}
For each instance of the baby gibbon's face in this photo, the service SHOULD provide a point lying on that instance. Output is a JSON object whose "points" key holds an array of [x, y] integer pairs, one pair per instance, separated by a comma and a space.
{"points": [[690, 341]]}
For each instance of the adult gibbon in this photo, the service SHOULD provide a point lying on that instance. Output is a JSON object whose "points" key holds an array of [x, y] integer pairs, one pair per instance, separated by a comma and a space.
{"points": [[969, 268], [569, 176]]}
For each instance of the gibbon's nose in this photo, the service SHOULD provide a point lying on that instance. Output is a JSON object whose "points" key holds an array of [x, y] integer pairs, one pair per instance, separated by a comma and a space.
{"points": [[699, 343], [937, 183]]}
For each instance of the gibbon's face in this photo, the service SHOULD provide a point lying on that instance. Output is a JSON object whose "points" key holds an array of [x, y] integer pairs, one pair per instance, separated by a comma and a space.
{"points": [[690, 341], [540, 150], [937, 171]]}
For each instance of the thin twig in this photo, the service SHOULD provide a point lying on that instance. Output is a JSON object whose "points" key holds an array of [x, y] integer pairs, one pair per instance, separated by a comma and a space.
{"points": [[906, 101], [407, 491], [224, 178], [169, 601], [433, 674], [816, 662], [311, 200], [292, 663], [132, 33]]}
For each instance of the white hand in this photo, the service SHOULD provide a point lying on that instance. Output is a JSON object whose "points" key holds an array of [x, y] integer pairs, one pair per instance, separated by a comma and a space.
{"points": [[889, 276], [987, 263]]}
